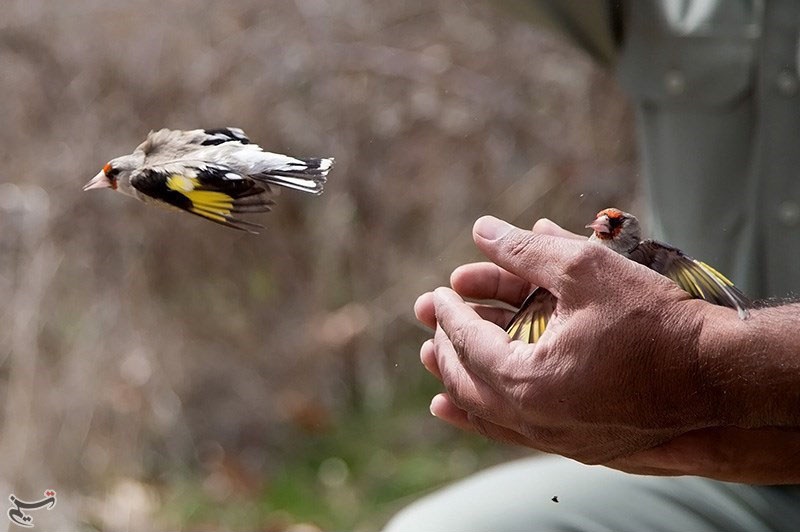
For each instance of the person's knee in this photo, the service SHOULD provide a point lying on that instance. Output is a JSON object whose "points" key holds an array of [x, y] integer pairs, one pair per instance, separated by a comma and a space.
{"points": [[510, 497], [553, 493]]}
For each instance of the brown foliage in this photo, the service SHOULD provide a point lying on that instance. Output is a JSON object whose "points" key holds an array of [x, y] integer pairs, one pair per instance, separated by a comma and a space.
{"points": [[130, 336]]}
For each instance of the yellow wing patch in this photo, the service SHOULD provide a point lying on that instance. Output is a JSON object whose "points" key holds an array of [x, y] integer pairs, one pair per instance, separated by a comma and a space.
{"points": [[700, 280], [528, 326], [715, 273], [704, 282], [539, 325], [181, 183], [520, 329], [207, 203], [687, 281], [531, 321]]}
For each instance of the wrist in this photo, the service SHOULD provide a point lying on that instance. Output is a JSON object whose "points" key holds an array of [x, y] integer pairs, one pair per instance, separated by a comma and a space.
{"points": [[752, 369], [719, 338]]}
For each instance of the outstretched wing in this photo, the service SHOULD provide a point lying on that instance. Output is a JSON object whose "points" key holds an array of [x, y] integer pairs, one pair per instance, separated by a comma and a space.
{"points": [[529, 323], [699, 279], [214, 192]]}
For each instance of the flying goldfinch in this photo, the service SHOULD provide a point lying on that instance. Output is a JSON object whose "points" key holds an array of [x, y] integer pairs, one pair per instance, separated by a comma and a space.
{"points": [[620, 232], [213, 173]]}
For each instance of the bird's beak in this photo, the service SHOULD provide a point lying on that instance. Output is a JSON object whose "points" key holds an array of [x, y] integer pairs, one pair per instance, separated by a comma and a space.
{"points": [[600, 225], [98, 181]]}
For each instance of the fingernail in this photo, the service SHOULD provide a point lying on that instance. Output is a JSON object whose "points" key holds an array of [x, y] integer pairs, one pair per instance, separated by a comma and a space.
{"points": [[426, 345], [443, 294], [441, 291], [436, 402], [543, 226], [491, 228]]}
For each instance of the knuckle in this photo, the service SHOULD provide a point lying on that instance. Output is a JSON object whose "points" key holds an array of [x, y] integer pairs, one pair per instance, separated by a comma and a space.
{"points": [[462, 337], [458, 391], [478, 423], [522, 395], [588, 256], [588, 259], [519, 247], [517, 381], [449, 378], [555, 440]]}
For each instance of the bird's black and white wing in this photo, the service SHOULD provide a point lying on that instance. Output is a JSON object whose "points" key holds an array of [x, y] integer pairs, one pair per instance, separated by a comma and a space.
{"points": [[530, 321], [168, 145], [231, 148], [699, 279], [214, 137], [213, 192], [218, 173]]}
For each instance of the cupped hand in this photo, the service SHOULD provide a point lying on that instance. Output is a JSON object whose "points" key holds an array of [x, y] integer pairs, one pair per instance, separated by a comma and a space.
{"points": [[617, 372]]}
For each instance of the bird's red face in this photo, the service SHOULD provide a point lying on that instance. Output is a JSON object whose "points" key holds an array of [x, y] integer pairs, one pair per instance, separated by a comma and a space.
{"points": [[106, 178], [608, 224]]}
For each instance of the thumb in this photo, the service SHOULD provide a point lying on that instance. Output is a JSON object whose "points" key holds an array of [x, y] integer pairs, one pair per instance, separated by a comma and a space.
{"points": [[541, 259]]}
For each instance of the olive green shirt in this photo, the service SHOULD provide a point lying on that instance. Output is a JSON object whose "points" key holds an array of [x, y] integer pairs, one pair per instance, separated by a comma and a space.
{"points": [[715, 85]]}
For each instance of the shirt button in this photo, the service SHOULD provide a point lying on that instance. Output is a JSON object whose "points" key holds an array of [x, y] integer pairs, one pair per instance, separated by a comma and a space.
{"points": [[675, 82], [789, 213], [786, 81]]}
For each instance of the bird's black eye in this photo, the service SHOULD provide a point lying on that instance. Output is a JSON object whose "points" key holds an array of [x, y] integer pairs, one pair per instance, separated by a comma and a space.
{"points": [[616, 221], [110, 171]]}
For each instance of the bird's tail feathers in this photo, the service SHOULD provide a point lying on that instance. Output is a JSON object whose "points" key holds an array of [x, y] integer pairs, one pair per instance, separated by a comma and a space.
{"points": [[306, 175]]}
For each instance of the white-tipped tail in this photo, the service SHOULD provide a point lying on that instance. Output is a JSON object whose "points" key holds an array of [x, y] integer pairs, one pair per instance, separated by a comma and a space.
{"points": [[307, 175]]}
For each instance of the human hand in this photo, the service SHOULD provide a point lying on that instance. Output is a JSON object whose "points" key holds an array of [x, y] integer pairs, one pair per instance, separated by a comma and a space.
{"points": [[617, 371], [617, 379]]}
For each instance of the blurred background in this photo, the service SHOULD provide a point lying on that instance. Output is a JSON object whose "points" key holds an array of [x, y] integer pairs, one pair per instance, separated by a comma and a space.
{"points": [[161, 372]]}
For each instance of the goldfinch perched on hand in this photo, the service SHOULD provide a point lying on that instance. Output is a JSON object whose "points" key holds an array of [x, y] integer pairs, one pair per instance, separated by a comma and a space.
{"points": [[213, 173], [620, 232]]}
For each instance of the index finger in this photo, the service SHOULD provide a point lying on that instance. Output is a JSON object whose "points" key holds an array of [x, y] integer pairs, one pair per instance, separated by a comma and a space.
{"points": [[486, 280], [482, 347]]}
